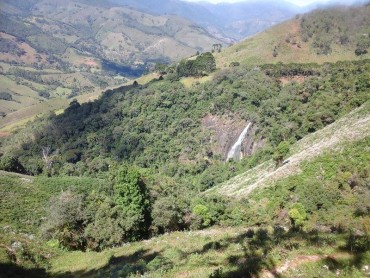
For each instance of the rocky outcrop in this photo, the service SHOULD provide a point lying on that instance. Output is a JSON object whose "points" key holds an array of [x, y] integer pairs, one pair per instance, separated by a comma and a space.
{"points": [[225, 132]]}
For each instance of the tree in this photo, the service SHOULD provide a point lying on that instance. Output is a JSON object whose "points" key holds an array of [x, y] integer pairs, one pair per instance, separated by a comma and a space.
{"points": [[49, 158], [298, 214], [11, 164], [65, 220], [103, 229], [281, 151], [167, 215], [132, 201]]}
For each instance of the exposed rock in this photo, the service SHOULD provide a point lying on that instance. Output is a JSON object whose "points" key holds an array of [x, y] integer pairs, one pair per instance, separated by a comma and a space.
{"points": [[225, 132]]}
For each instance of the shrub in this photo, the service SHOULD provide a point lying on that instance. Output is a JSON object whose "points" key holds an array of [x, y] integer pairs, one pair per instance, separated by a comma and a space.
{"points": [[6, 96], [203, 213], [298, 214], [65, 220], [11, 164]]}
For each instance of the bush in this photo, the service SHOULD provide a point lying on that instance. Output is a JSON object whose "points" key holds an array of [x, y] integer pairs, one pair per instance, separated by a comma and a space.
{"points": [[11, 164], [203, 64], [203, 214], [280, 152], [65, 220], [6, 96], [298, 214]]}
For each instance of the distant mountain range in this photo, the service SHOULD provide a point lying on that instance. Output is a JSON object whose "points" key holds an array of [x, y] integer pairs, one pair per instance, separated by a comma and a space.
{"points": [[230, 22]]}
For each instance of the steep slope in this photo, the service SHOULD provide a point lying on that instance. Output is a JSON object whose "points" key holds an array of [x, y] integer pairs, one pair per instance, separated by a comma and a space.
{"points": [[120, 183], [52, 50], [340, 34], [119, 35], [230, 22], [353, 127]]}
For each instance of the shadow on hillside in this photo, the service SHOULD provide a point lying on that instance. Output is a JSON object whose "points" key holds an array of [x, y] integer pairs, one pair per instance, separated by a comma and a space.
{"points": [[9, 270], [253, 256], [122, 266]]}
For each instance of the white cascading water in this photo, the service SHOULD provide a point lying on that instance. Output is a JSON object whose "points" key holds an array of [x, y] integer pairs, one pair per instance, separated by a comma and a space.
{"points": [[234, 152]]}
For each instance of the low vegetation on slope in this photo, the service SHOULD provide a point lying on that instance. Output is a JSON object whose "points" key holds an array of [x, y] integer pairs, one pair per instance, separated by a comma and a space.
{"points": [[321, 36], [355, 126]]}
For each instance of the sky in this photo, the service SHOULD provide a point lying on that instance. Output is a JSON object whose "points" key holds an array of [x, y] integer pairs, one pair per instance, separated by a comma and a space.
{"points": [[296, 2]]}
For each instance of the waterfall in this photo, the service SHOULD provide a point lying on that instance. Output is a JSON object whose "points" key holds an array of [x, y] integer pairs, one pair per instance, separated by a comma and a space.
{"points": [[234, 152]]}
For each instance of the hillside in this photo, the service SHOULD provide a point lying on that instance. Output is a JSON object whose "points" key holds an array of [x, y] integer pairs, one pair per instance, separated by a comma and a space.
{"points": [[228, 21], [200, 170], [256, 247], [59, 50], [298, 41], [353, 127]]}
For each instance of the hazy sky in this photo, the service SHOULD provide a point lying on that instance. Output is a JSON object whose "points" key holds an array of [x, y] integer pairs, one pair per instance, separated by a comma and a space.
{"points": [[297, 2]]}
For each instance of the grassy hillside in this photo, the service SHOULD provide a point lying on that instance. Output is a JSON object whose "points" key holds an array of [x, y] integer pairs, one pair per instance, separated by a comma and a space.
{"points": [[263, 249], [338, 34], [53, 51], [355, 126]]}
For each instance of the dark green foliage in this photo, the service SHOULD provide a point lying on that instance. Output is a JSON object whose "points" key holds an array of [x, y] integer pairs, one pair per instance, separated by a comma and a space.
{"points": [[234, 64], [65, 220], [132, 202], [167, 215], [6, 96], [159, 127], [331, 190], [101, 218], [202, 65], [156, 125], [360, 51], [281, 152], [103, 227], [11, 164]]}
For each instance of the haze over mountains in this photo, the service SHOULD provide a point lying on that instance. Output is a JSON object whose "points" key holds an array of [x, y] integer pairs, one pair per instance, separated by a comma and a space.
{"points": [[231, 22]]}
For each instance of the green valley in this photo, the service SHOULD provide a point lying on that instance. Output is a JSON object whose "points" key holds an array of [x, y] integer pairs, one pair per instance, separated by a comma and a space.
{"points": [[250, 161]]}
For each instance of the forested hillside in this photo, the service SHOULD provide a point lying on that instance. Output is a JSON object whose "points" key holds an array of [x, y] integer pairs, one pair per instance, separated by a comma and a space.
{"points": [[51, 51], [141, 180]]}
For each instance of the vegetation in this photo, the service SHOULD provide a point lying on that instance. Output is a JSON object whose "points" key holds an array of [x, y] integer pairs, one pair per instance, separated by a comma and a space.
{"points": [[344, 27], [203, 64], [145, 128], [324, 35], [127, 184]]}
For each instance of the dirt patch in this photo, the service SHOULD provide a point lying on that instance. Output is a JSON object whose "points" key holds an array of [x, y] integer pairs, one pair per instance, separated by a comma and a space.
{"points": [[4, 134], [298, 78], [91, 63]]}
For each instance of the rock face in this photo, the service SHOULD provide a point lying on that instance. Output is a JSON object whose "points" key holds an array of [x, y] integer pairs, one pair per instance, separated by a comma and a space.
{"points": [[235, 151], [225, 132]]}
